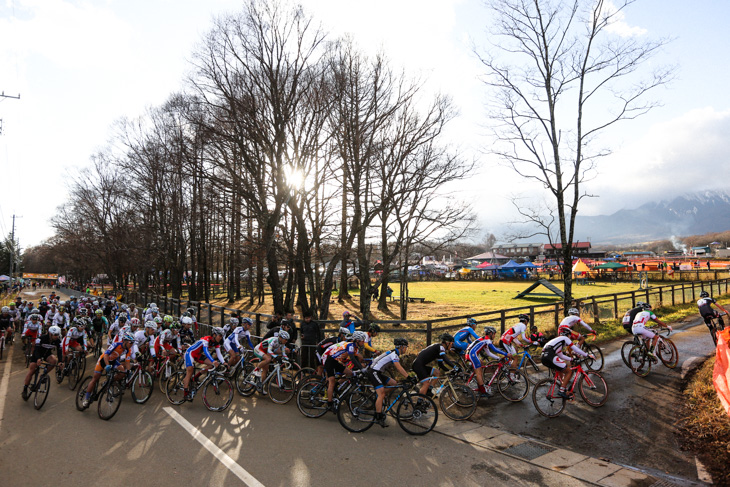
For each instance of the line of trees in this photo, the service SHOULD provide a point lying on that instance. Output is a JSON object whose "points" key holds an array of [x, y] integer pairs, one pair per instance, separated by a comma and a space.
{"points": [[285, 162]]}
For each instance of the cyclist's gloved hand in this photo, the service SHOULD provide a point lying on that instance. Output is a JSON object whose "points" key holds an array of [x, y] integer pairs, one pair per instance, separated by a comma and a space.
{"points": [[670, 328], [108, 368], [535, 344]]}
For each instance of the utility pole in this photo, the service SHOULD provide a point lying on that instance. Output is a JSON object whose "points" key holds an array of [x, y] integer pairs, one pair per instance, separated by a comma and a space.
{"points": [[3, 95], [12, 249]]}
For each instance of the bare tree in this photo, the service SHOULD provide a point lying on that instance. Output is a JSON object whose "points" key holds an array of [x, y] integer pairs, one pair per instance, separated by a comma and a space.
{"points": [[568, 76]]}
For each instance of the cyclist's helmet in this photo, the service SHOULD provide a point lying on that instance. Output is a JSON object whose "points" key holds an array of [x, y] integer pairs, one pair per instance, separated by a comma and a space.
{"points": [[344, 331], [60, 303], [400, 342], [358, 336], [374, 328], [186, 315], [574, 312], [152, 305], [98, 312], [640, 304], [11, 304], [524, 318], [128, 336], [157, 319], [81, 323], [95, 303], [6, 309], [54, 330], [35, 310], [704, 294], [471, 322], [134, 322], [646, 306], [217, 330], [446, 337], [168, 319], [247, 321], [82, 311], [565, 331], [283, 335], [191, 310], [489, 330], [122, 318], [186, 320], [151, 325], [345, 314], [35, 317], [234, 321]]}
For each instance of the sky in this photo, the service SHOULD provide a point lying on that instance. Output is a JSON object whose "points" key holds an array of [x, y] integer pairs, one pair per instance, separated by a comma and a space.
{"points": [[80, 65]]}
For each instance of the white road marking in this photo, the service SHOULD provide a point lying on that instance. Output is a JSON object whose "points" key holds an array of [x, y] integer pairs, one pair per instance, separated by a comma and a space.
{"points": [[222, 457], [4, 383]]}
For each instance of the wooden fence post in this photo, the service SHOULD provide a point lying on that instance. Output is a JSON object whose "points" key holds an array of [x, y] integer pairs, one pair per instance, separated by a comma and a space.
{"points": [[223, 315], [429, 331], [502, 318], [633, 299], [596, 318], [258, 322], [615, 306], [557, 315], [673, 295]]}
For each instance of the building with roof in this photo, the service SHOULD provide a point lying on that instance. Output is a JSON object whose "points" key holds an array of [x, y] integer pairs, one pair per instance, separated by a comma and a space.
{"points": [[489, 257], [527, 251]]}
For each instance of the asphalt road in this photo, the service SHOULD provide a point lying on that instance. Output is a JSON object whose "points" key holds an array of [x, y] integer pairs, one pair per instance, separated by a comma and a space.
{"points": [[273, 444], [638, 424]]}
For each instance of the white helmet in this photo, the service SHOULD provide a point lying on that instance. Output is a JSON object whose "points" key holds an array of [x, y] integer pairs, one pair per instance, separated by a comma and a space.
{"points": [[359, 335], [54, 330], [151, 325], [186, 320], [283, 335], [574, 312]]}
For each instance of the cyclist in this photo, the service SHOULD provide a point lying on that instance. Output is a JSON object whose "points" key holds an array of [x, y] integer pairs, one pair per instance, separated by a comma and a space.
{"points": [[14, 316], [337, 358], [554, 358], [6, 323], [61, 319], [198, 353], [151, 313], [323, 345], [112, 359], [99, 323], [436, 352], [705, 306], [190, 313], [230, 326], [31, 331], [186, 332], [484, 346], [628, 320], [120, 323], [465, 336], [517, 337], [268, 349], [75, 340], [376, 373], [142, 338], [639, 328], [232, 344], [167, 322], [570, 321], [163, 346], [45, 346], [133, 311], [372, 332]]}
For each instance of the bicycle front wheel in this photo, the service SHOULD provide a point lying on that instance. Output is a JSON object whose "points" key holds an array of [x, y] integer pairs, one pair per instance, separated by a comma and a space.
{"points": [[73, 374], [535, 372], [282, 387], [417, 414], [593, 364], [593, 388], [458, 402], [174, 389], [142, 387], [625, 349], [668, 353], [513, 385], [59, 371], [110, 398], [246, 381], [311, 400], [218, 394], [546, 400], [41, 392], [165, 373], [81, 393], [356, 412], [638, 361]]}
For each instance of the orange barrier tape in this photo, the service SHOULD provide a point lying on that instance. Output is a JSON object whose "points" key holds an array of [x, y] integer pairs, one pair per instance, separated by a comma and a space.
{"points": [[721, 373]]}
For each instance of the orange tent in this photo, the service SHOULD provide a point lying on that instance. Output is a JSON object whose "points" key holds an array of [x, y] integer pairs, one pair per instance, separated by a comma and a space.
{"points": [[721, 374]]}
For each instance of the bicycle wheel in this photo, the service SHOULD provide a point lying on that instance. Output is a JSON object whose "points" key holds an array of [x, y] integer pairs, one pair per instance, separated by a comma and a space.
{"points": [[417, 414], [534, 371], [625, 349], [458, 402], [303, 375], [593, 364], [59, 371], [282, 387], [668, 353], [513, 385], [713, 334], [27, 355], [638, 361], [2, 343], [218, 394], [73, 374], [41, 392], [246, 381], [142, 387], [110, 398], [311, 400], [81, 393], [356, 412], [546, 400], [593, 388], [165, 372], [174, 390]]}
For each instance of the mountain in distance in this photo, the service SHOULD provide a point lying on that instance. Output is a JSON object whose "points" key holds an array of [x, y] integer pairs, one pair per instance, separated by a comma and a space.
{"points": [[688, 214]]}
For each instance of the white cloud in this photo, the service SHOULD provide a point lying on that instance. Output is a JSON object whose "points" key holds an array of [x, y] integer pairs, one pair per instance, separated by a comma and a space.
{"points": [[618, 24]]}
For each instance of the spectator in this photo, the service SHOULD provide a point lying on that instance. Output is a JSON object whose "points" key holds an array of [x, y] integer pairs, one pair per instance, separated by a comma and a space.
{"points": [[389, 292], [275, 322], [708, 265], [311, 336], [374, 293]]}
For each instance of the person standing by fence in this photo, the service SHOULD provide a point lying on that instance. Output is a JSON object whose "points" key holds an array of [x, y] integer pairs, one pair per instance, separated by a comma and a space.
{"points": [[311, 336]]}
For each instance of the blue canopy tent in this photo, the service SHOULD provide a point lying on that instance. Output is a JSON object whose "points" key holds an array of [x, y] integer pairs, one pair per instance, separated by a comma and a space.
{"points": [[511, 269], [528, 265]]}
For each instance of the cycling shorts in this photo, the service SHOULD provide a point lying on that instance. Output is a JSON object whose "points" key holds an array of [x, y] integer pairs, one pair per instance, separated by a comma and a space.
{"points": [[642, 332], [378, 379], [473, 358], [509, 348], [165, 346], [551, 360], [333, 367], [229, 345], [422, 371], [190, 361], [31, 333], [100, 365]]}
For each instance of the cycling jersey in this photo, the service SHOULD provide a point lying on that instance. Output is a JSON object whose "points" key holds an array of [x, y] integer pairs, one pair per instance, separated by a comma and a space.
{"points": [[5, 321], [482, 346], [433, 352], [628, 319], [158, 345], [198, 352], [463, 337], [342, 352], [552, 352], [140, 339], [44, 347], [121, 352], [639, 326], [31, 328], [705, 306], [571, 321], [98, 324], [233, 342], [61, 320], [385, 360], [271, 346], [517, 332], [74, 339]]}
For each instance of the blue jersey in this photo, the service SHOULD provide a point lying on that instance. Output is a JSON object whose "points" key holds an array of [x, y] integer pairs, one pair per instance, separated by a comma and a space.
{"points": [[463, 337]]}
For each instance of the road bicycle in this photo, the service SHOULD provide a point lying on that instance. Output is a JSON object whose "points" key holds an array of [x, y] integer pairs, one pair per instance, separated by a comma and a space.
{"points": [[592, 363], [40, 386], [109, 394], [714, 325], [534, 371], [457, 400], [591, 386], [96, 350], [665, 350], [2, 343], [163, 368], [28, 347], [279, 384], [312, 394], [140, 382], [511, 383], [217, 389], [415, 413], [629, 344], [74, 370]]}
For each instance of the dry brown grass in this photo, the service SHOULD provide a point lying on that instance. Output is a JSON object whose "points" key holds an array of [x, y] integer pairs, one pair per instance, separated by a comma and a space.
{"points": [[706, 425]]}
